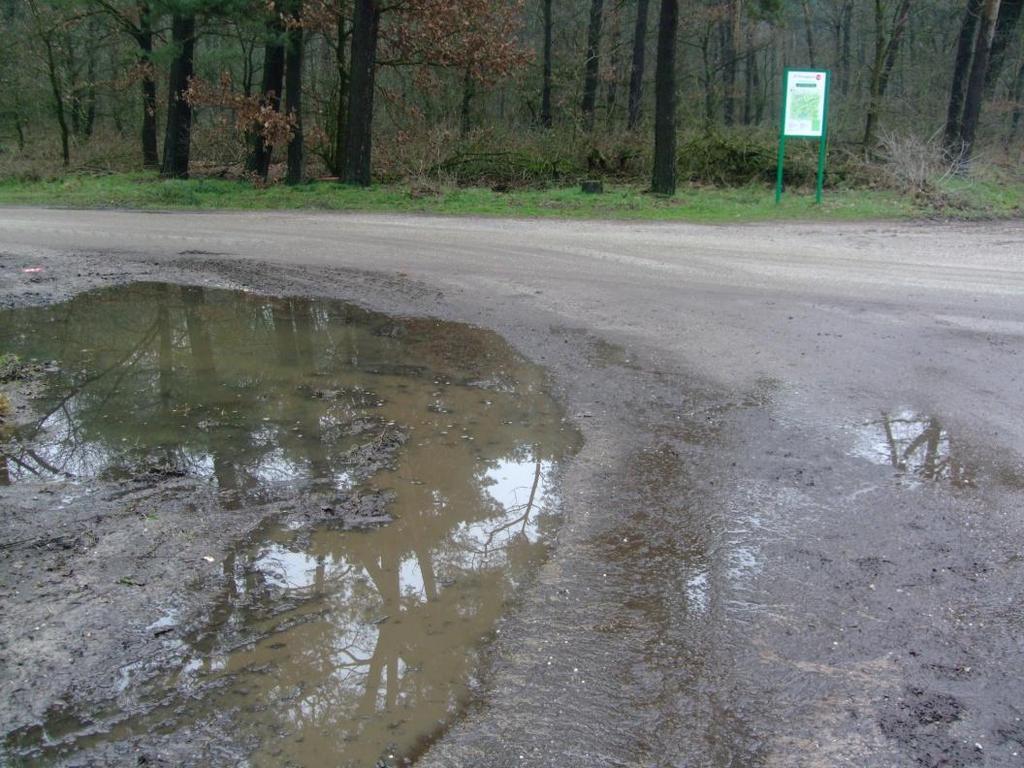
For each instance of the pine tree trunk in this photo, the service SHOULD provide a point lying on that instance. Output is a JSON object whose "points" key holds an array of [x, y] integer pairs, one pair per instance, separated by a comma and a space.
{"points": [[961, 70], [592, 64], [293, 93], [663, 181], [979, 69], [545, 92], [178, 135], [636, 75], [270, 93], [150, 155], [359, 131]]}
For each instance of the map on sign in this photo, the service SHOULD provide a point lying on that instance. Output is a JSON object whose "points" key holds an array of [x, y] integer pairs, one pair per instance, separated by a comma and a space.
{"points": [[805, 103]]}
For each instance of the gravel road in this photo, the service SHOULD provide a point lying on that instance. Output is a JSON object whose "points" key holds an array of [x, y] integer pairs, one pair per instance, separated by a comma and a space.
{"points": [[795, 533]]}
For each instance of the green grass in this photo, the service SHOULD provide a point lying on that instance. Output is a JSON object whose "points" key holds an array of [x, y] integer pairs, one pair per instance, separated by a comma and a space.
{"points": [[696, 204]]}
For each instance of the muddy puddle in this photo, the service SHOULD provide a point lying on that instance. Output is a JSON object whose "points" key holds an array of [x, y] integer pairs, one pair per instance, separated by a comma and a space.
{"points": [[416, 460]]}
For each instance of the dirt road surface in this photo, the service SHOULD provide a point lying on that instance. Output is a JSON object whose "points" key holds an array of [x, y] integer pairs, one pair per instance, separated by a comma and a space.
{"points": [[795, 533]]}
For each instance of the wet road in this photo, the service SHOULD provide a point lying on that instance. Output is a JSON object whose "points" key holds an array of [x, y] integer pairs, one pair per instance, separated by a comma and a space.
{"points": [[794, 533]]}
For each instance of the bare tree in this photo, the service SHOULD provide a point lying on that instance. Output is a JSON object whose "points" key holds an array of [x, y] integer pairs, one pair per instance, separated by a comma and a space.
{"points": [[545, 92], [887, 47], [636, 74], [592, 64]]}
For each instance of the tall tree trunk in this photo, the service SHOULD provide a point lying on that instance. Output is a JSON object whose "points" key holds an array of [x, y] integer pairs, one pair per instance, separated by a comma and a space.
{"points": [[708, 81], [545, 90], [1009, 16], [19, 128], [74, 87], [1018, 105], [58, 102], [636, 74], [841, 33], [45, 34], [341, 116], [465, 123], [979, 69], [150, 156], [248, 65], [270, 93], [614, 57], [359, 131], [592, 64], [844, 57], [885, 60], [178, 134], [961, 70], [809, 32], [293, 92], [731, 56], [663, 181], [761, 91], [58, 99], [749, 78], [89, 108]]}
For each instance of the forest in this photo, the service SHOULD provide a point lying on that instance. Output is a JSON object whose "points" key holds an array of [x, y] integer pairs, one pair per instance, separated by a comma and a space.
{"points": [[505, 93]]}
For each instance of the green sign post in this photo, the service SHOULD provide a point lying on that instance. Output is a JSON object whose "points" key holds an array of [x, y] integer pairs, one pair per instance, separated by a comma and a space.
{"points": [[805, 96]]}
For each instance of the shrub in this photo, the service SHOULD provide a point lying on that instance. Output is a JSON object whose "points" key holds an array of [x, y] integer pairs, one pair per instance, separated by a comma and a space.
{"points": [[916, 165]]}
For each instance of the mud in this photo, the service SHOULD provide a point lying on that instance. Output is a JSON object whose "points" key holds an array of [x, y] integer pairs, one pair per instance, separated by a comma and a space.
{"points": [[189, 571], [792, 534]]}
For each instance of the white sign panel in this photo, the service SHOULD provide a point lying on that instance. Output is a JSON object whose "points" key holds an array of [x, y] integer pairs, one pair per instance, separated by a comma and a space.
{"points": [[805, 103]]}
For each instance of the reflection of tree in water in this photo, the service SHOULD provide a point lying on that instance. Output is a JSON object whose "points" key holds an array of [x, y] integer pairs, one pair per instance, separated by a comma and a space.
{"points": [[918, 446], [350, 641], [219, 385], [353, 644], [376, 647]]}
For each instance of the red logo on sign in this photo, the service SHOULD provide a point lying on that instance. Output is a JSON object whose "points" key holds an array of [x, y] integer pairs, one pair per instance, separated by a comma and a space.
{"points": [[818, 77]]}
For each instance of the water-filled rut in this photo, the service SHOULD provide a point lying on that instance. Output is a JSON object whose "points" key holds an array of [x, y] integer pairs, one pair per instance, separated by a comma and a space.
{"points": [[402, 475]]}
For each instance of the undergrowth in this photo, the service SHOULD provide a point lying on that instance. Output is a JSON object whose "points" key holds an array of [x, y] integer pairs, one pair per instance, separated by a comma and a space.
{"points": [[725, 175]]}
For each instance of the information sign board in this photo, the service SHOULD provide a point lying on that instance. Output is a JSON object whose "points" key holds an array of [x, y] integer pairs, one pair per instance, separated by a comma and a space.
{"points": [[805, 104], [805, 96]]}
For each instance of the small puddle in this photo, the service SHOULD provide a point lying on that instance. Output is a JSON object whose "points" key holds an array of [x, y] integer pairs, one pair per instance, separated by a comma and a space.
{"points": [[327, 646], [918, 448]]}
